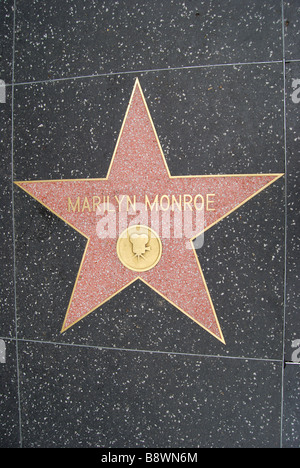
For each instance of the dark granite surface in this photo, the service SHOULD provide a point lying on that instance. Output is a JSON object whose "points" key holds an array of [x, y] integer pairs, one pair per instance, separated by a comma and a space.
{"points": [[9, 401], [291, 424], [6, 44], [7, 307], [293, 257], [292, 32], [100, 398], [74, 38]]}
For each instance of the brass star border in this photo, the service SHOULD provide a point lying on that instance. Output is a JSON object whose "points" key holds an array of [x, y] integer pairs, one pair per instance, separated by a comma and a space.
{"points": [[178, 277]]}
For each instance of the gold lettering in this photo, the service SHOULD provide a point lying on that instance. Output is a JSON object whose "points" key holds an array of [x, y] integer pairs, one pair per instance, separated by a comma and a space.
{"points": [[165, 203], [202, 202], [209, 202], [188, 203], [108, 209], [72, 207], [119, 201], [164, 197], [96, 203], [86, 205], [178, 203], [147, 203], [129, 202]]}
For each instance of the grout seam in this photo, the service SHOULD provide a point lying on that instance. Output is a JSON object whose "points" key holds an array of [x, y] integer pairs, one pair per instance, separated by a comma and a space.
{"points": [[153, 70], [110, 348], [285, 227], [146, 351], [13, 226]]}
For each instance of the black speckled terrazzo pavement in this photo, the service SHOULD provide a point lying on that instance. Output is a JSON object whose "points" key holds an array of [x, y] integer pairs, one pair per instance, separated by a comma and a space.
{"points": [[222, 83]]}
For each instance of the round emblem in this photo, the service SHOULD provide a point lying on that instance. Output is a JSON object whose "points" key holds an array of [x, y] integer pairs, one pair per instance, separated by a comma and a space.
{"points": [[139, 248]]}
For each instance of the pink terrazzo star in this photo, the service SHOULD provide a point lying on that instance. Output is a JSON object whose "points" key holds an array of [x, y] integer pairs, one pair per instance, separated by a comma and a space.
{"points": [[138, 168]]}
